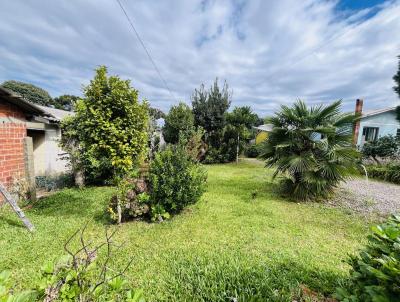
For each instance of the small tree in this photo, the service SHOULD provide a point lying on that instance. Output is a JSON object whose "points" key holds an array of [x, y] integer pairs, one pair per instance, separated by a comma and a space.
{"points": [[29, 92], [396, 88], [65, 102], [179, 119], [384, 147], [311, 148], [241, 119], [209, 109], [108, 134]]}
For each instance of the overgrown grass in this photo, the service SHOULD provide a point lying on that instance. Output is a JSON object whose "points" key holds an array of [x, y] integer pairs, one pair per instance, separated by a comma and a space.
{"points": [[228, 245]]}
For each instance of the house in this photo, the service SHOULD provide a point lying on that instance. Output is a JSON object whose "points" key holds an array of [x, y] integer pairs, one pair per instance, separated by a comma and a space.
{"points": [[29, 136], [375, 124], [262, 132]]}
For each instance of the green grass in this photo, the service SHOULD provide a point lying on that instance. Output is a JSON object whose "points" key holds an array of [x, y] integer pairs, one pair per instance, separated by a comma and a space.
{"points": [[227, 245]]}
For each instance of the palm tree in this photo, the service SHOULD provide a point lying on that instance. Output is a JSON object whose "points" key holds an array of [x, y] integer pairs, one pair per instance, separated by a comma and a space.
{"points": [[311, 148]]}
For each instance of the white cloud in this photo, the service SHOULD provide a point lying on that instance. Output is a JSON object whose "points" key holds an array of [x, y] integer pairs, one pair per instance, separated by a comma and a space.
{"points": [[270, 52]]}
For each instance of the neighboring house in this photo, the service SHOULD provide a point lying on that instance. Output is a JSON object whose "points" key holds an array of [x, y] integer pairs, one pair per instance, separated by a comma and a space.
{"points": [[375, 124], [262, 132], [29, 137]]}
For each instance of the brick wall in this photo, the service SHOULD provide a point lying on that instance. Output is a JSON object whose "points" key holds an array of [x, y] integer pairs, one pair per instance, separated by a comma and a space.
{"points": [[12, 134]]}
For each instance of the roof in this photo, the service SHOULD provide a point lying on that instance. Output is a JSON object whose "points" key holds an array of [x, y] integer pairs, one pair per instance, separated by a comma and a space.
{"points": [[20, 102], [52, 114], [58, 114], [376, 112], [265, 127]]}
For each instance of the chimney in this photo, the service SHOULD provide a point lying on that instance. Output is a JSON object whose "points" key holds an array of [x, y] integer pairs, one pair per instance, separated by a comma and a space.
{"points": [[358, 112]]}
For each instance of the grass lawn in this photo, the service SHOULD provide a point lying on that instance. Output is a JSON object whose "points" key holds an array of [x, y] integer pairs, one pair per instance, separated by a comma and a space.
{"points": [[227, 245]]}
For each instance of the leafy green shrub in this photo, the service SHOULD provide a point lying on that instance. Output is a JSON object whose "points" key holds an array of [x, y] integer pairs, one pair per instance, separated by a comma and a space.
{"points": [[311, 148], [253, 151], [107, 137], [385, 147], [389, 172], [179, 120], [175, 181], [375, 273]]}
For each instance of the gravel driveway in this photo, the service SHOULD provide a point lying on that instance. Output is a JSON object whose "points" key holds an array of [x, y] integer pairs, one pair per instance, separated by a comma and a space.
{"points": [[368, 197]]}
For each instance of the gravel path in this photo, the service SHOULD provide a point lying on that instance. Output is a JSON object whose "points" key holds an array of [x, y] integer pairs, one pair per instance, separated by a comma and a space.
{"points": [[368, 197]]}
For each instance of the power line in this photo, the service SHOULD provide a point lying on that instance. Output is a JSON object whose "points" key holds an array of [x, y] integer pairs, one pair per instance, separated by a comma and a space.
{"points": [[145, 49]]}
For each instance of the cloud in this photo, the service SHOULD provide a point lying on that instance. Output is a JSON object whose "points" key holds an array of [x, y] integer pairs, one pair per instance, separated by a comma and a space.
{"points": [[269, 52]]}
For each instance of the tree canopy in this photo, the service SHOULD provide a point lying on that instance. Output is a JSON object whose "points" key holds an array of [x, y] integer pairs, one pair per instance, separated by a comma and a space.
{"points": [[29, 92], [65, 102], [109, 130], [396, 88], [179, 119]]}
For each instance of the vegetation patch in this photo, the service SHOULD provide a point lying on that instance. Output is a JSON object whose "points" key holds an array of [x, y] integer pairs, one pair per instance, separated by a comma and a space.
{"points": [[262, 245]]}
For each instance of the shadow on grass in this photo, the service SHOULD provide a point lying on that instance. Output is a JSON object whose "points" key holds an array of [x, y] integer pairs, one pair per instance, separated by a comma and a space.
{"points": [[14, 221], [228, 278]]}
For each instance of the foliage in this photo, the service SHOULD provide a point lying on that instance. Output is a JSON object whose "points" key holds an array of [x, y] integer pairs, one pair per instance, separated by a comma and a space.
{"points": [[384, 147], [78, 276], [253, 151], [396, 79], [156, 113], [209, 109], [175, 182], [54, 182], [240, 121], [7, 294], [29, 92], [311, 148], [65, 102], [389, 172], [375, 271], [108, 135], [192, 142], [179, 119]]}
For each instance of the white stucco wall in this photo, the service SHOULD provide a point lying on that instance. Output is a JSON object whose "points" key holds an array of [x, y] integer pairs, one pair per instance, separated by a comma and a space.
{"points": [[53, 162], [386, 122]]}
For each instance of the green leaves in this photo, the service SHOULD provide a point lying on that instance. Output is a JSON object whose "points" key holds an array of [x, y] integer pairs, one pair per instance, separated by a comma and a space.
{"points": [[375, 274], [311, 148], [108, 135], [176, 181]]}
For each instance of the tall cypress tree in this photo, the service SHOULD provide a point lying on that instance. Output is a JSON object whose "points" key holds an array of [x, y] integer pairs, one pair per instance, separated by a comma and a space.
{"points": [[396, 88]]}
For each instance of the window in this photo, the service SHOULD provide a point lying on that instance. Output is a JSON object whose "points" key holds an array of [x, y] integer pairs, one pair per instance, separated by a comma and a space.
{"points": [[370, 134]]}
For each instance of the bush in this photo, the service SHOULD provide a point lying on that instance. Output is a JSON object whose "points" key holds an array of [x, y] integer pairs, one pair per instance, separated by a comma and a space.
{"points": [[385, 147], [253, 151], [175, 181], [108, 135], [389, 172], [375, 273]]}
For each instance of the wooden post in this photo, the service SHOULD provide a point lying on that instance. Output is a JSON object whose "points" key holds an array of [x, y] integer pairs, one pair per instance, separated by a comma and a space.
{"points": [[16, 208]]}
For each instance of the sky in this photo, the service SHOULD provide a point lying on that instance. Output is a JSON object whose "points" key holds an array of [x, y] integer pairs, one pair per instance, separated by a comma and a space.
{"points": [[269, 52]]}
